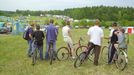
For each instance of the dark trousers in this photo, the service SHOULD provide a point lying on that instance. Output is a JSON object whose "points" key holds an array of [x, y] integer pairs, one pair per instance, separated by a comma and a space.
{"points": [[111, 53], [96, 52]]}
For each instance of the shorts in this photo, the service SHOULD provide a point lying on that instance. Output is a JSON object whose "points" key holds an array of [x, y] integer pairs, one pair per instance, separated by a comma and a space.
{"points": [[69, 41]]}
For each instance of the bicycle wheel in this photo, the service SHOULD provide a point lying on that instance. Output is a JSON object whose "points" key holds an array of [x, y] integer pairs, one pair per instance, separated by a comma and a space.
{"points": [[34, 57], [122, 60], [104, 54], [62, 53], [80, 49], [91, 55], [80, 59], [51, 56]]}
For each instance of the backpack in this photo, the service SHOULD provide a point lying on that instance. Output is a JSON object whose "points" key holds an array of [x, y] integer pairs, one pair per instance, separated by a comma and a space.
{"points": [[26, 34]]}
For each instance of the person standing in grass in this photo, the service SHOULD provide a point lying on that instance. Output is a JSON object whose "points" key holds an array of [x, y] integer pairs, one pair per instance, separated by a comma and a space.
{"points": [[95, 34], [30, 40], [122, 38], [113, 42], [38, 37], [66, 33], [51, 36]]}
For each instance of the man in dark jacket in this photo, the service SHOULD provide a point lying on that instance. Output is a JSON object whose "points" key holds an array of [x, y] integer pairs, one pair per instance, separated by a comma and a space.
{"points": [[113, 41], [38, 37]]}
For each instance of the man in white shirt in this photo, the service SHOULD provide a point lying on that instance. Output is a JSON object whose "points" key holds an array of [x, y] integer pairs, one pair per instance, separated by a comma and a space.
{"points": [[95, 34], [66, 32]]}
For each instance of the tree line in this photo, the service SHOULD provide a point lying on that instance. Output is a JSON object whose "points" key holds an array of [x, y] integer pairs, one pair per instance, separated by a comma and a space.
{"points": [[102, 12], [105, 13], [123, 15]]}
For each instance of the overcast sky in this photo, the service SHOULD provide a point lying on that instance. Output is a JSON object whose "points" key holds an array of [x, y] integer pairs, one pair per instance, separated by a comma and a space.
{"points": [[12, 5]]}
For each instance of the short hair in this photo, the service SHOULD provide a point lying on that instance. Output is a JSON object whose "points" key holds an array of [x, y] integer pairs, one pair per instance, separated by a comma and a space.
{"points": [[51, 21], [97, 21], [32, 25], [67, 22], [122, 30], [38, 27], [114, 24]]}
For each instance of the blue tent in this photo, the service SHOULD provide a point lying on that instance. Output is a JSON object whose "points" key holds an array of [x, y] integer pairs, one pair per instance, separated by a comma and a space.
{"points": [[1, 24]]}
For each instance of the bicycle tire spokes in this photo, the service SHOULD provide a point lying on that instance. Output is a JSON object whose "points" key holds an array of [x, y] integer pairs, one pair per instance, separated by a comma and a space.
{"points": [[80, 59], [34, 57], [121, 62], [63, 53], [91, 55], [104, 54], [81, 49]]}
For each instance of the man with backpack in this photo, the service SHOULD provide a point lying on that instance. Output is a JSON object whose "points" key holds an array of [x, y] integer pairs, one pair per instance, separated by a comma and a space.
{"points": [[38, 37], [28, 37]]}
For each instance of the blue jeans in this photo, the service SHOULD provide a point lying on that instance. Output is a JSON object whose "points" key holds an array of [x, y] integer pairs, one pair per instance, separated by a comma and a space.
{"points": [[29, 46], [47, 46], [40, 50]]}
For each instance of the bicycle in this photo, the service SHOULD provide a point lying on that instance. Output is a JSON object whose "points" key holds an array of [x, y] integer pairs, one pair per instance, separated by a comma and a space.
{"points": [[84, 48], [86, 54], [34, 57], [34, 54], [63, 53], [51, 52], [104, 52], [121, 58]]}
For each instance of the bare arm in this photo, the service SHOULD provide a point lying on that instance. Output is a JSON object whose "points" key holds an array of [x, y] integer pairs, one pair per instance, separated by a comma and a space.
{"points": [[30, 35]]}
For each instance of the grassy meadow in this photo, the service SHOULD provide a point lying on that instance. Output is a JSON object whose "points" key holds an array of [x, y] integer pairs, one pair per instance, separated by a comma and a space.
{"points": [[14, 61]]}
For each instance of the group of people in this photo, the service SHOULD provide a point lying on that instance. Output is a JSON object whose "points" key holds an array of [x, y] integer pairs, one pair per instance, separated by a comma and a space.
{"points": [[117, 39], [37, 36], [95, 34]]}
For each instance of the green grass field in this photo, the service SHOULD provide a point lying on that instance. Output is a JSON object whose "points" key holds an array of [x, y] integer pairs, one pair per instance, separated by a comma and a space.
{"points": [[14, 61]]}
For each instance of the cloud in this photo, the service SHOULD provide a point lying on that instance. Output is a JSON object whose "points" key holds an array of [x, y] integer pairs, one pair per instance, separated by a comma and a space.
{"points": [[58, 4]]}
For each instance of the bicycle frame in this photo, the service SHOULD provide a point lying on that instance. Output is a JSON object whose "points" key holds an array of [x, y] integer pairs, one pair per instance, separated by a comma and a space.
{"points": [[79, 44], [89, 50], [65, 52]]}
